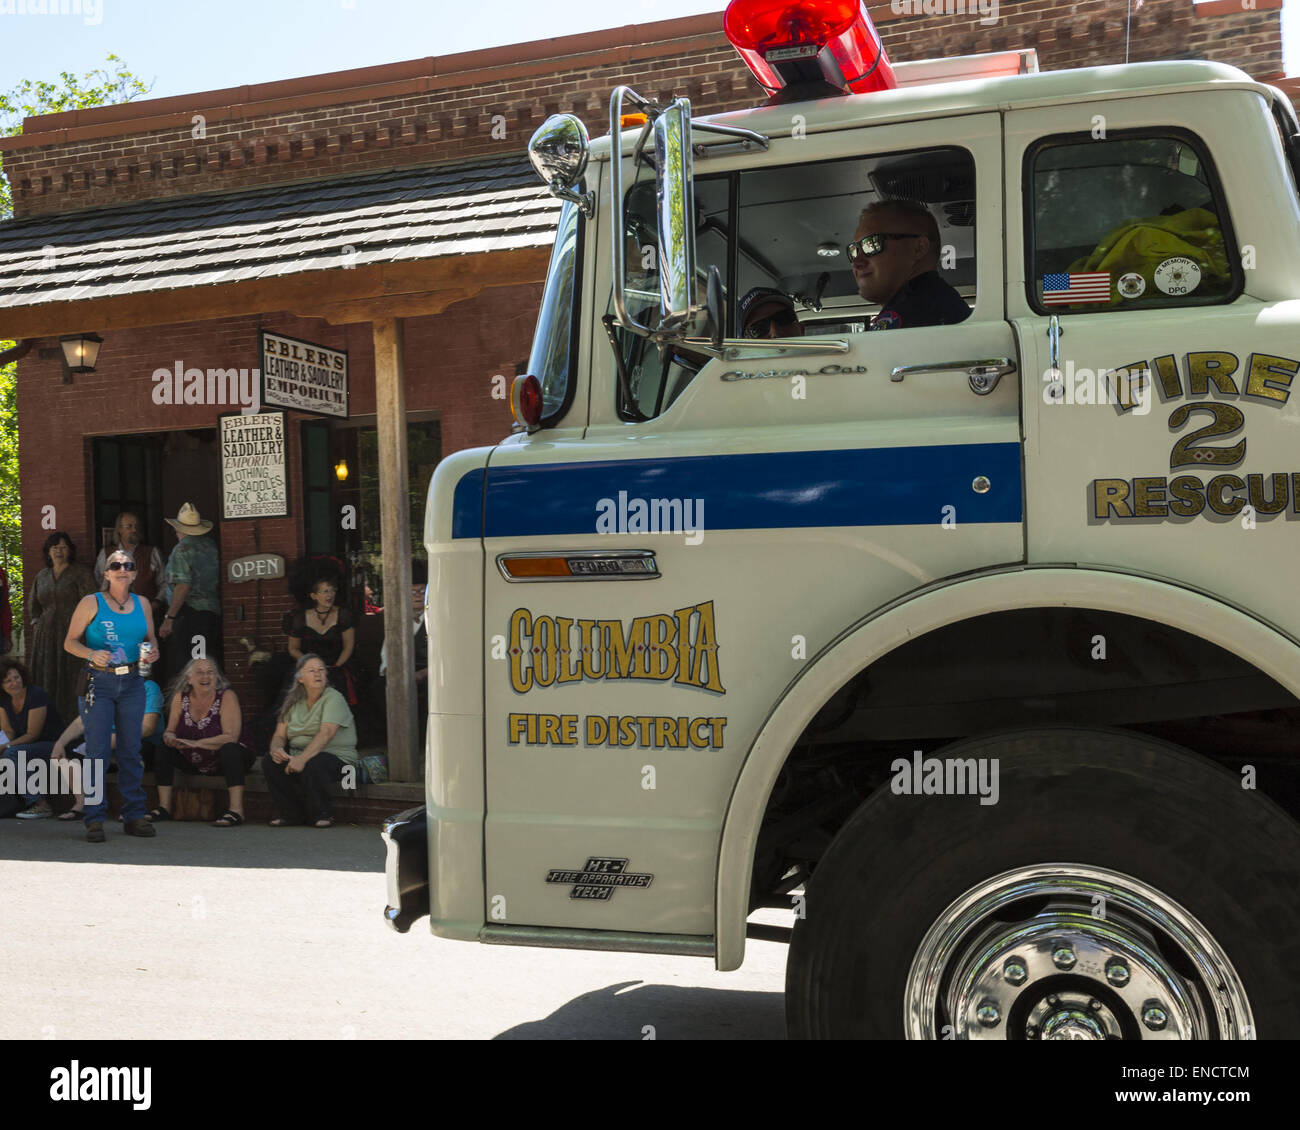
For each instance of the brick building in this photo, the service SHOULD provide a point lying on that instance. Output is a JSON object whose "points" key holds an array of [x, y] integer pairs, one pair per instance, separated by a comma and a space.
{"points": [[387, 213]]}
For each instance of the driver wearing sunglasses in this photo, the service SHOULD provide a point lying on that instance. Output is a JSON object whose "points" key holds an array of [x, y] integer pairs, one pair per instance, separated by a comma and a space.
{"points": [[895, 260]]}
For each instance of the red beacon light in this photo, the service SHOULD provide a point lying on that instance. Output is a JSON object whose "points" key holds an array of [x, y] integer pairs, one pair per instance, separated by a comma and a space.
{"points": [[798, 48]]}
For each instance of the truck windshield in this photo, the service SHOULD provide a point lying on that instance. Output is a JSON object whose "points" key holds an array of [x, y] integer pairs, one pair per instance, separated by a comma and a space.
{"points": [[553, 358]]}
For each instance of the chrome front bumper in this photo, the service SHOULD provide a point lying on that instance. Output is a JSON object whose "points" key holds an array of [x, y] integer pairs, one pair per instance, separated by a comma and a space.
{"points": [[406, 869]]}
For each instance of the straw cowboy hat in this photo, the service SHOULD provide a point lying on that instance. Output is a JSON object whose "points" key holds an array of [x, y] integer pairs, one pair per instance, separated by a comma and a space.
{"points": [[188, 521]]}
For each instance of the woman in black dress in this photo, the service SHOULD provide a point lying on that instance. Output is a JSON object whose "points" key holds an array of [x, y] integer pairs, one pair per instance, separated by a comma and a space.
{"points": [[325, 629]]}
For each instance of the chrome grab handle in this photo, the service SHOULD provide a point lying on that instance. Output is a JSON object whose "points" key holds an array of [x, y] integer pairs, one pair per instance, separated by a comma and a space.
{"points": [[1054, 332], [983, 374]]}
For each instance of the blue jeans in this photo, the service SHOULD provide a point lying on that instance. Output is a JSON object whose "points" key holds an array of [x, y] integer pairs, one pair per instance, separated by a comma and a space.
{"points": [[119, 699], [33, 751]]}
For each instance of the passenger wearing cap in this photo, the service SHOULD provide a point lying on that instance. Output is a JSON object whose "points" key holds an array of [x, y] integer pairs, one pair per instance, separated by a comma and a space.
{"points": [[895, 261], [768, 313]]}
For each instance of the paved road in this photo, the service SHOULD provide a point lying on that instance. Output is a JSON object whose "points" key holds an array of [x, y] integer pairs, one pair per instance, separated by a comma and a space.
{"points": [[276, 933]]}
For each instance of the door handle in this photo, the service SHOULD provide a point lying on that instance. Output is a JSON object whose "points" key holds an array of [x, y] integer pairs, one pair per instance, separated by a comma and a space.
{"points": [[983, 374]]}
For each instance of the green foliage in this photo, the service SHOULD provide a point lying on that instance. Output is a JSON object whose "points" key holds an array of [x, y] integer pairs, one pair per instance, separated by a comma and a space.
{"points": [[105, 86], [11, 529]]}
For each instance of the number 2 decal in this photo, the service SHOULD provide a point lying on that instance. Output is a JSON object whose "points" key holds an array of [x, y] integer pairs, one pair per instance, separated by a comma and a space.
{"points": [[1227, 421]]}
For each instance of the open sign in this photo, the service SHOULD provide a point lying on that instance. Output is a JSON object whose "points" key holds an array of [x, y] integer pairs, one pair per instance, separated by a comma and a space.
{"points": [[258, 567]]}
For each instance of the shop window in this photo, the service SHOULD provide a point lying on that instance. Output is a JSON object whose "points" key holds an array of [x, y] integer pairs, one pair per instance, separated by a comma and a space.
{"points": [[1132, 221], [128, 472], [365, 547], [322, 525]]}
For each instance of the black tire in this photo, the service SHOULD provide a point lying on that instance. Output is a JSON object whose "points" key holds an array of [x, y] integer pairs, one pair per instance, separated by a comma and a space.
{"points": [[1110, 799]]}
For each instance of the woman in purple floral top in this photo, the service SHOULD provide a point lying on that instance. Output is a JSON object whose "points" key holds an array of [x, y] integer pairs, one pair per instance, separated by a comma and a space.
{"points": [[205, 734]]}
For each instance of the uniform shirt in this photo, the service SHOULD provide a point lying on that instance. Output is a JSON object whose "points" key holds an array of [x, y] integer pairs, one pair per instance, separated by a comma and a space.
{"points": [[195, 562], [923, 301], [302, 724]]}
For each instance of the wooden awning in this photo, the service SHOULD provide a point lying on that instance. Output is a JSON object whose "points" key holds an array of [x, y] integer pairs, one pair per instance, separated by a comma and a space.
{"points": [[346, 249]]}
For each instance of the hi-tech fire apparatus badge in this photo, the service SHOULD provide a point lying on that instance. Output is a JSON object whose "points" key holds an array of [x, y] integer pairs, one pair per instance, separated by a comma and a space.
{"points": [[598, 878]]}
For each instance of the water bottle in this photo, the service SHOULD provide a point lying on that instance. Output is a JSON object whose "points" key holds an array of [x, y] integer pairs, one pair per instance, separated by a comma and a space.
{"points": [[144, 666]]}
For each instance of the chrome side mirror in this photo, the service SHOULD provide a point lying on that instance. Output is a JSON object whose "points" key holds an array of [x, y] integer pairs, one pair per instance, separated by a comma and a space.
{"points": [[675, 185], [559, 152]]}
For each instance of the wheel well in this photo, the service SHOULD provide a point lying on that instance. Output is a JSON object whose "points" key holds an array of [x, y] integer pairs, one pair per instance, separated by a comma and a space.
{"points": [[1014, 670]]}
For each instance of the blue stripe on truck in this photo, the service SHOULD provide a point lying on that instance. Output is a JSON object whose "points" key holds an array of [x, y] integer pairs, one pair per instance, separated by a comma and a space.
{"points": [[889, 486]]}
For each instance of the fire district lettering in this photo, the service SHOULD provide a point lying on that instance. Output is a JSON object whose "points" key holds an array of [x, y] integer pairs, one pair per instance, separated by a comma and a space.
{"points": [[680, 646], [643, 731], [1264, 380]]}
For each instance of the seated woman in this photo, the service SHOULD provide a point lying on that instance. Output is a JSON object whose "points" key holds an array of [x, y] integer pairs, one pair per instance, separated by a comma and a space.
{"points": [[326, 630], [314, 743], [75, 735], [205, 734], [30, 722]]}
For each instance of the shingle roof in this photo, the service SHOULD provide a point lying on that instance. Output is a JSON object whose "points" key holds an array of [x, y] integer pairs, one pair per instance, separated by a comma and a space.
{"points": [[415, 213]]}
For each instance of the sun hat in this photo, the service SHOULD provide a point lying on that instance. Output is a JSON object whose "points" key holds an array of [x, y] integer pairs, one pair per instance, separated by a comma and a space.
{"points": [[188, 521]]}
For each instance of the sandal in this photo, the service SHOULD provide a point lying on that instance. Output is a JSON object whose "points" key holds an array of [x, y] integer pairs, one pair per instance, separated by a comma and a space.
{"points": [[159, 814], [324, 822], [228, 819], [281, 822], [72, 814]]}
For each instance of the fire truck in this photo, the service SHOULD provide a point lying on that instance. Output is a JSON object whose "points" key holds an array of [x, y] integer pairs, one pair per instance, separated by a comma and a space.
{"points": [[974, 647]]}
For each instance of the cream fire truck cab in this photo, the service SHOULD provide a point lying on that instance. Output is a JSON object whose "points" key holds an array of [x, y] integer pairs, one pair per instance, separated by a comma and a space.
{"points": [[974, 647]]}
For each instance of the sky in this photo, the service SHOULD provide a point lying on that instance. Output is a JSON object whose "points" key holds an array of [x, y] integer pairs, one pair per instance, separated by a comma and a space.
{"points": [[188, 46]]}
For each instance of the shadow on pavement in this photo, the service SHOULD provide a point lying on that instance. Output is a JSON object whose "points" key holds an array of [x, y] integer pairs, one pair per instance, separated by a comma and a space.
{"points": [[194, 844], [633, 1010]]}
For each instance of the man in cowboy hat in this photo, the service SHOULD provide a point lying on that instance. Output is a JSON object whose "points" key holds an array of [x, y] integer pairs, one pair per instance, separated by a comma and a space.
{"points": [[191, 593]]}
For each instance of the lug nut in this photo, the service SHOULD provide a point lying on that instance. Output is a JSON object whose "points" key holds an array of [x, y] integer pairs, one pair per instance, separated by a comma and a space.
{"points": [[1095, 1005], [987, 1014], [1064, 958], [1117, 972], [1014, 971], [1154, 1017]]}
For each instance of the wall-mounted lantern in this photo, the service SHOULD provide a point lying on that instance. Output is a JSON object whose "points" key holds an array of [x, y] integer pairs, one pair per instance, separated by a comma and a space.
{"points": [[80, 354]]}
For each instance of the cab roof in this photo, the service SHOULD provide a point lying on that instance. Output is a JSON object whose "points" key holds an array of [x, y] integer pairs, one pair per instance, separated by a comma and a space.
{"points": [[973, 96]]}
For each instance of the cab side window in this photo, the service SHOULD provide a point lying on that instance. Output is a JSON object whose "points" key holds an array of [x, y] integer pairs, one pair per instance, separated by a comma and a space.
{"points": [[782, 232], [1127, 222]]}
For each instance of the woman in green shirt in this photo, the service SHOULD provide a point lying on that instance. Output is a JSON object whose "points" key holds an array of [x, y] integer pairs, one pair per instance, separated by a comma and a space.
{"points": [[315, 743]]}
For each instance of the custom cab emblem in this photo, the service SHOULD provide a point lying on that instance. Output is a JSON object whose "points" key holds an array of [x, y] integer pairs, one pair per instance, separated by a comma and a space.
{"points": [[763, 374], [599, 877]]}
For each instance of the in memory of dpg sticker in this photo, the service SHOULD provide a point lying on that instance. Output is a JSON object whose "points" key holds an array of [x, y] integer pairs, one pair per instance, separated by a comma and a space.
{"points": [[1177, 276], [599, 878]]}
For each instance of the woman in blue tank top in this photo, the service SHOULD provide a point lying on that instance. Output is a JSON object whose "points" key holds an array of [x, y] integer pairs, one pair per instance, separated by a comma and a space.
{"points": [[108, 629]]}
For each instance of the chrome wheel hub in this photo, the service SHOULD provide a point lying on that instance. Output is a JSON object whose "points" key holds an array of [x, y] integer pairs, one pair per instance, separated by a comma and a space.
{"points": [[1072, 952]]}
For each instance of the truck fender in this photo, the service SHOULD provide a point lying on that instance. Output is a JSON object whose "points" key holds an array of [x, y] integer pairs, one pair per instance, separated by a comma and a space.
{"points": [[1236, 631]]}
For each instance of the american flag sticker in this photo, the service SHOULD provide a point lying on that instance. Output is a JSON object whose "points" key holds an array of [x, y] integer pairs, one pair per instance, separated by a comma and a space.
{"points": [[1062, 289]]}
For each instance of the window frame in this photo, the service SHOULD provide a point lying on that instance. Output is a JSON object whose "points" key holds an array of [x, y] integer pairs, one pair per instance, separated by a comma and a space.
{"points": [[1174, 133], [733, 178]]}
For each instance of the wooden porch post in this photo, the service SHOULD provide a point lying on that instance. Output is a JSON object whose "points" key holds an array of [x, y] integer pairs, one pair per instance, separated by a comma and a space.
{"points": [[405, 759]]}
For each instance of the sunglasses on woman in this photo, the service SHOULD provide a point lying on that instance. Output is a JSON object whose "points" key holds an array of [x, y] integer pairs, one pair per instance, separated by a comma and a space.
{"points": [[870, 245], [118, 566], [762, 326]]}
